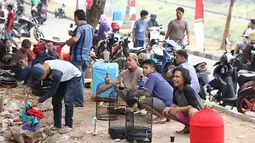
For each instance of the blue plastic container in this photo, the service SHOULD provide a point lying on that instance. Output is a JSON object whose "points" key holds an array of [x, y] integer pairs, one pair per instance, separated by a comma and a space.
{"points": [[99, 73], [117, 15]]}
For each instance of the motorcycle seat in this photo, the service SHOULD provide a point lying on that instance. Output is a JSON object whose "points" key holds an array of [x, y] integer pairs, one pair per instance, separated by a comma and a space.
{"points": [[54, 42], [133, 50], [199, 64]]}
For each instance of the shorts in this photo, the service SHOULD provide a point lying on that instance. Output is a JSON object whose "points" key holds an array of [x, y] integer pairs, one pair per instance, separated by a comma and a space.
{"points": [[183, 118], [241, 44], [155, 103]]}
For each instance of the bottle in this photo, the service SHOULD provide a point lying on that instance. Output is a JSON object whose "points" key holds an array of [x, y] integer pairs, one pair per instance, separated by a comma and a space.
{"points": [[121, 84], [141, 82], [94, 123]]}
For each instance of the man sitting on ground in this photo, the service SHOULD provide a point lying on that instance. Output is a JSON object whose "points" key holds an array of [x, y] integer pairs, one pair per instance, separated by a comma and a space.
{"points": [[162, 92], [129, 76]]}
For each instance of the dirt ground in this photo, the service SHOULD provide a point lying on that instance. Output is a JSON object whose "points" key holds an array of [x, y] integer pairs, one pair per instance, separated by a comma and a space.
{"points": [[236, 131]]}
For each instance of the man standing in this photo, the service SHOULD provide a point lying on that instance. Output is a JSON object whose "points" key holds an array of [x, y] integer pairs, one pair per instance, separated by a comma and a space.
{"points": [[140, 30], [9, 25], [177, 28], [80, 43]]}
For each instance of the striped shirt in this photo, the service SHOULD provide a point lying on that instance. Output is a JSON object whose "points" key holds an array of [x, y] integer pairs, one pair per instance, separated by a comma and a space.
{"points": [[81, 50]]}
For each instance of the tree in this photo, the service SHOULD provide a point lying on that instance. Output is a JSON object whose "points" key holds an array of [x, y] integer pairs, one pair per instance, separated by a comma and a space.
{"points": [[227, 26], [93, 15]]}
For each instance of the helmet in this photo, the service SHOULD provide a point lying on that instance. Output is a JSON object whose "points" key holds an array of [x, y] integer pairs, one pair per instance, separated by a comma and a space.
{"points": [[115, 26], [154, 16], [39, 48]]}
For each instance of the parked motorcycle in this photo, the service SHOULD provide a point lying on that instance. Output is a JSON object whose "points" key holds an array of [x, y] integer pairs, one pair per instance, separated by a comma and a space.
{"points": [[154, 35], [59, 46], [60, 12], [121, 52], [24, 27], [40, 16], [203, 77], [246, 97], [225, 81]]}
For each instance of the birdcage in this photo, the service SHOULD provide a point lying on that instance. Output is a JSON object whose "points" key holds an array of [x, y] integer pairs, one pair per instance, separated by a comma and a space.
{"points": [[102, 103], [138, 120], [117, 110]]}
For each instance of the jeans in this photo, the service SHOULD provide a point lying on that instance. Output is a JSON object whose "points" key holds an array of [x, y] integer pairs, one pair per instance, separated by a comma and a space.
{"points": [[67, 91], [139, 43], [82, 66], [9, 36]]}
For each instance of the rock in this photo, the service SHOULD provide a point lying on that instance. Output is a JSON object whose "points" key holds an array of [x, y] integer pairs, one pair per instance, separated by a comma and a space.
{"points": [[44, 136], [7, 135], [117, 140], [46, 131], [31, 136], [2, 139], [241, 137], [5, 114], [16, 118], [5, 101], [10, 110]]}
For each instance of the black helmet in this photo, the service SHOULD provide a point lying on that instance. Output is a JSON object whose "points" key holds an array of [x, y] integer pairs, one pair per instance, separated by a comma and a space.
{"points": [[153, 16]]}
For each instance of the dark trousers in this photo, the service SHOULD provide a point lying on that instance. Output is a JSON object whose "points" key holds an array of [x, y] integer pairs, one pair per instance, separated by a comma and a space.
{"points": [[67, 91]]}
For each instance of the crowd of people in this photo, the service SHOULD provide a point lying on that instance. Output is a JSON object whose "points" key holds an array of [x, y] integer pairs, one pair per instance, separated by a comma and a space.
{"points": [[176, 99]]}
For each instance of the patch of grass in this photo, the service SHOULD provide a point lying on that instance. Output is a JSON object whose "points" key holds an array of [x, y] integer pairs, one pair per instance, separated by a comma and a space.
{"points": [[214, 25]]}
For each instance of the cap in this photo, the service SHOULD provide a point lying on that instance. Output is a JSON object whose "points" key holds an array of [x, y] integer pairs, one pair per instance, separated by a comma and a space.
{"points": [[134, 56], [37, 71]]}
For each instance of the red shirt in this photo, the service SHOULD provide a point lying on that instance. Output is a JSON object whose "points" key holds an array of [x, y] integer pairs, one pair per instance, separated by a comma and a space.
{"points": [[10, 17]]}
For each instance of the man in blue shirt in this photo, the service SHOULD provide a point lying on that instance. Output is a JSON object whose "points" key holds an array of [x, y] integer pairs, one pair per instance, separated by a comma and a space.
{"points": [[182, 62], [80, 43], [162, 92], [140, 30]]}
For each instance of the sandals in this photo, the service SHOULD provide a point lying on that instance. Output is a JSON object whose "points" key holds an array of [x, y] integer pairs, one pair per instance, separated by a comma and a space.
{"points": [[157, 121], [183, 132]]}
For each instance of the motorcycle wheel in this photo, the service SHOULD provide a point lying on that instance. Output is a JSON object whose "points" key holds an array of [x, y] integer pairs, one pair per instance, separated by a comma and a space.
{"points": [[245, 103], [202, 93], [38, 34]]}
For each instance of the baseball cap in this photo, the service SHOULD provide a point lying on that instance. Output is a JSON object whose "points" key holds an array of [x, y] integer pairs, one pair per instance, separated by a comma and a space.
{"points": [[37, 71]]}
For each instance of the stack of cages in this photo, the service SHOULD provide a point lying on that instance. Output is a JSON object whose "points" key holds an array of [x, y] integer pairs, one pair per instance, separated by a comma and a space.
{"points": [[103, 101], [138, 120], [117, 110]]}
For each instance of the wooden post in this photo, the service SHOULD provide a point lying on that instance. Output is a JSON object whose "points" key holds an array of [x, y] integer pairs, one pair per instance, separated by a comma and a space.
{"points": [[1, 103]]}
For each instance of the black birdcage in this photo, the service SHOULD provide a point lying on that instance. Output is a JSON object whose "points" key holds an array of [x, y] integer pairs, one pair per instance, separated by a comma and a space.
{"points": [[138, 120], [117, 110], [102, 103]]}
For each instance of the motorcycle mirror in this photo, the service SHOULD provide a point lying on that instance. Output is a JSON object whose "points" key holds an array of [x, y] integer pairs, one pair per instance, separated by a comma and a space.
{"points": [[71, 25], [162, 33]]}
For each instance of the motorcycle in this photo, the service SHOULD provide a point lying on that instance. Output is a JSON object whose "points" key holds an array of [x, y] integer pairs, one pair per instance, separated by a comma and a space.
{"points": [[60, 12], [24, 26], [59, 46], [40, 16], [203, 77], [225, 81], [246, 97], [155, 35], [122, 52]]}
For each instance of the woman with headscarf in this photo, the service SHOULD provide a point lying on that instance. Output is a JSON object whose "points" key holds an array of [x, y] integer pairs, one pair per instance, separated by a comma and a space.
{"points": [[103, 28]]}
